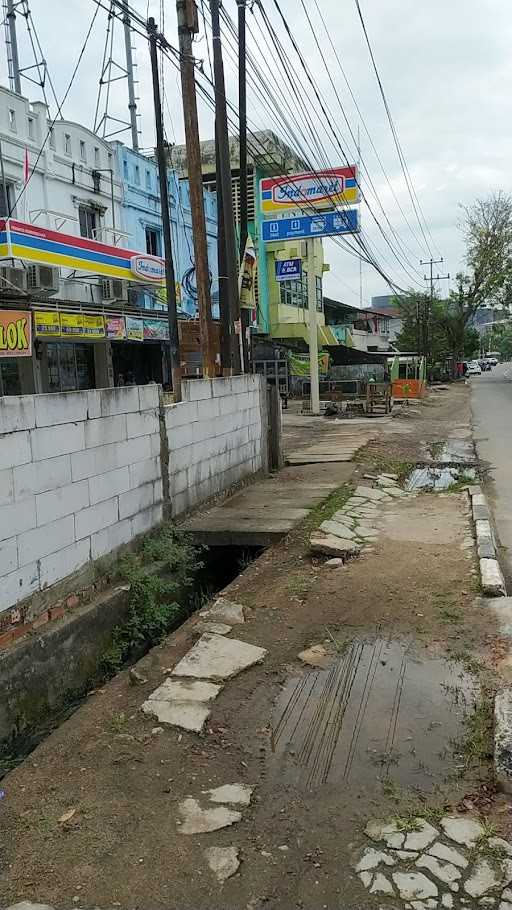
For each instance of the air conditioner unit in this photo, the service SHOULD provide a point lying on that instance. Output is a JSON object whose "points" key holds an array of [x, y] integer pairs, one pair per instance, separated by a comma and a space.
{"points": [[43, 278], [12, 280], [111, 289]]}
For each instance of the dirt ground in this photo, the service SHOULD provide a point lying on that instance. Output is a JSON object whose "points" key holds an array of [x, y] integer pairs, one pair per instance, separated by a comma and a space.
{"points": [[403, 616]]}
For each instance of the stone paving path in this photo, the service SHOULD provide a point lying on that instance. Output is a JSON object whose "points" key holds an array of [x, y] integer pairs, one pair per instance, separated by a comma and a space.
{"points": [[458, 864]]}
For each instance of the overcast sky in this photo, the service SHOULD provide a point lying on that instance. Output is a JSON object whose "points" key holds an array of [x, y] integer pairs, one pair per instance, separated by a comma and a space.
{"points": [[446, 67]]}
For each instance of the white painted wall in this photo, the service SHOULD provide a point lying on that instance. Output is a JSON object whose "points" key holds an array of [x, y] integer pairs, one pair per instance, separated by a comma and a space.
{"points": [[79, 476], [81, 472], [216, 436]]}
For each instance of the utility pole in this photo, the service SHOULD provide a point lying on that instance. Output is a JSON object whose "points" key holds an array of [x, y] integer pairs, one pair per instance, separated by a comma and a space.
{"points": [[224, 177], [13, 59], [242, 142], [428, 316], [224, 316], [188, 25], [170, 281], [313, 331], [132, 104]]}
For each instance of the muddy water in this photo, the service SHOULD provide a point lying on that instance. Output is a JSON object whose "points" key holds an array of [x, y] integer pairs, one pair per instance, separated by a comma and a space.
{"points": [[437, 478], [382, 710]]}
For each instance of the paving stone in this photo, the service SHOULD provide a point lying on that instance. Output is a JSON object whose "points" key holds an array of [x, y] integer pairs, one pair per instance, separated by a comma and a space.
{"points": [[381, 885], [364, 532], [366, 878], [420, 839], [200, 821], [216, 657], [424, 905], [501, 844], [414, 885], [445, 872], [503, 739], [507, 894], [396, 492], [385, 481], [223, 861], [388, 475], [224, 610], [239, 794], [462, 830], [338, 529], [449, 854], [386, 831], [329, 545], [334, 563], [482, 879], [218, 628], [372, 858], [182, 703], [406, 854], [504, 905], [28, 905], [343, 517], [447, 901], [372, 494]]}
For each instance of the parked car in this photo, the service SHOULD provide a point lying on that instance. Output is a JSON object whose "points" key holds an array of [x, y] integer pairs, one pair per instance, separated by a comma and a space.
{"points": [[473, 368]]}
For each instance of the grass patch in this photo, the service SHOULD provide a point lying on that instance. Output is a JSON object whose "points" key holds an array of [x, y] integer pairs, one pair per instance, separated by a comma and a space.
{"points": [[298, 585], [118, 722], [326, 509], [475, 747], [383, 465]]}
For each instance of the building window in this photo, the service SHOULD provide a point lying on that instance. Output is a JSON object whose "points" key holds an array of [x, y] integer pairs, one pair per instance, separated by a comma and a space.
{"points": [[109, 158], [125, 169], [67, 144], [70, 366], [51, 132], [96, 156], [88, 218], [137, 175], [295, 293], [12, 119], [30, 127], [153, 243], [148, 180], [83, 152], [6, 202]]}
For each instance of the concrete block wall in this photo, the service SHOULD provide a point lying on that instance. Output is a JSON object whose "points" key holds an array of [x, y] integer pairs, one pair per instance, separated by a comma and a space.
{"points": [[215, 436], [80, 474]]}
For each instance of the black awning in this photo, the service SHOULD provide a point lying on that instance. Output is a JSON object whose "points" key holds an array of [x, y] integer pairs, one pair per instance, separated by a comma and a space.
{"points": [[343, 356]]}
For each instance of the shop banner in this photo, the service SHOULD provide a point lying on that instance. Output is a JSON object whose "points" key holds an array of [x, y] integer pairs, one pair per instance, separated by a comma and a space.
{"points": [[71, 325], [94, 327], [156, 330], [134, 329], [115, 327], [15, 333], [47, 325], [299, 364], [247, 276]]}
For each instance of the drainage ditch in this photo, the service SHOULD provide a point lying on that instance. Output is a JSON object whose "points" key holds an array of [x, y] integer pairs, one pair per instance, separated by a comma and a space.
{"points": [[218, 567]]}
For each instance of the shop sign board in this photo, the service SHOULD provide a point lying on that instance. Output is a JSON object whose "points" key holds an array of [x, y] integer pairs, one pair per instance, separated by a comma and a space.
{"points": [[134, 328], [71, 325], [115, 328], [15, 333], [47, 324], [313, 189], [327, 224], [288, 269], [93, 327], [156, 330], [32, 243]]}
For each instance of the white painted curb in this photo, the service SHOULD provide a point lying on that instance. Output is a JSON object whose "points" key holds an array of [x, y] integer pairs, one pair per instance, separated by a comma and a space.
{"points": [[493, 582]]}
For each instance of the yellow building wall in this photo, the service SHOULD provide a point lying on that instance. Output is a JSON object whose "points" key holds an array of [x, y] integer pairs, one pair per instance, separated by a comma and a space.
{"points": [[289, 321]]}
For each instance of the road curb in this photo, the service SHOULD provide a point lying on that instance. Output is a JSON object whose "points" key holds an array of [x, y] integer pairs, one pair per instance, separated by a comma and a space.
{"points": [[491, 576]]}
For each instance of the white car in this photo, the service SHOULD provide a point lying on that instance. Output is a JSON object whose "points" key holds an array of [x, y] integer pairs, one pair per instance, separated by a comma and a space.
{"points": [[473, 368]]}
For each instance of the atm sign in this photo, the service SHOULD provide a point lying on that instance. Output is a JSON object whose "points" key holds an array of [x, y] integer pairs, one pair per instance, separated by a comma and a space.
{"points": [[15, 333]]}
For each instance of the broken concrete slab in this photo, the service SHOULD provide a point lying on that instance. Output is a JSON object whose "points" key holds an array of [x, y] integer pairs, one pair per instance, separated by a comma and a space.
{"points": [[200, 821], [445, 872], [386, 481], [182, 703], [372, 494], [386, 831], [448, 854], [388, 475], [329, 545], [482, 879], [216, 657], [223, 861], [219, 628], [334, 563], [414, 886], [342, 517], [364, 531], [503, 739], [224, 610], [381, 885], [493, 583], [372, 858], [462, 829], [316, 656], [337, 529], [239, 794], [422, 837]]}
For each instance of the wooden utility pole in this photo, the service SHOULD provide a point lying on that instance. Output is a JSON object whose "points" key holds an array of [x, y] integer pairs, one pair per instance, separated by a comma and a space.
{"points": [[170, 281], [224, 178], [226, 328], [242, 139], [187, 26]]}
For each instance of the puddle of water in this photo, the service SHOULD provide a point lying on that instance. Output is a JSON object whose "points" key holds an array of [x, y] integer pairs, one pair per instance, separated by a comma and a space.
{"points": [[383, 710], [437, 478], [459, 450]]}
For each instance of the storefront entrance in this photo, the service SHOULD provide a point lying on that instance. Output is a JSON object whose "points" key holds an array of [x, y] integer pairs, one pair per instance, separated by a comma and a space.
{"points": [[10, 383], [70, 366], [135, 363]]}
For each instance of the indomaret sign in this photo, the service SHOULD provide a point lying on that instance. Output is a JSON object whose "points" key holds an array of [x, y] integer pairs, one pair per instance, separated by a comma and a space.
{"points": [[32, 243], [312, 190]]}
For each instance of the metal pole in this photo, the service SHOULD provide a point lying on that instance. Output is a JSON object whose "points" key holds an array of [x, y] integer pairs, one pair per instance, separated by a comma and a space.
{"points": [[170, 282], [224, 176], [132, 104], [4, 186], [11, 21], [187, 25], [225, 322], [242, 114], [111, 169], [313, 332]]}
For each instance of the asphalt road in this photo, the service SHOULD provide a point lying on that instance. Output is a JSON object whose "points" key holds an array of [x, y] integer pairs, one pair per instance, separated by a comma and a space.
{"points": [[491, 403]]}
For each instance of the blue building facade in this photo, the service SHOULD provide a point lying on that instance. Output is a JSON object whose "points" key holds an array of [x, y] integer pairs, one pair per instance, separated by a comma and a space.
{"points": [[142, 223]]}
